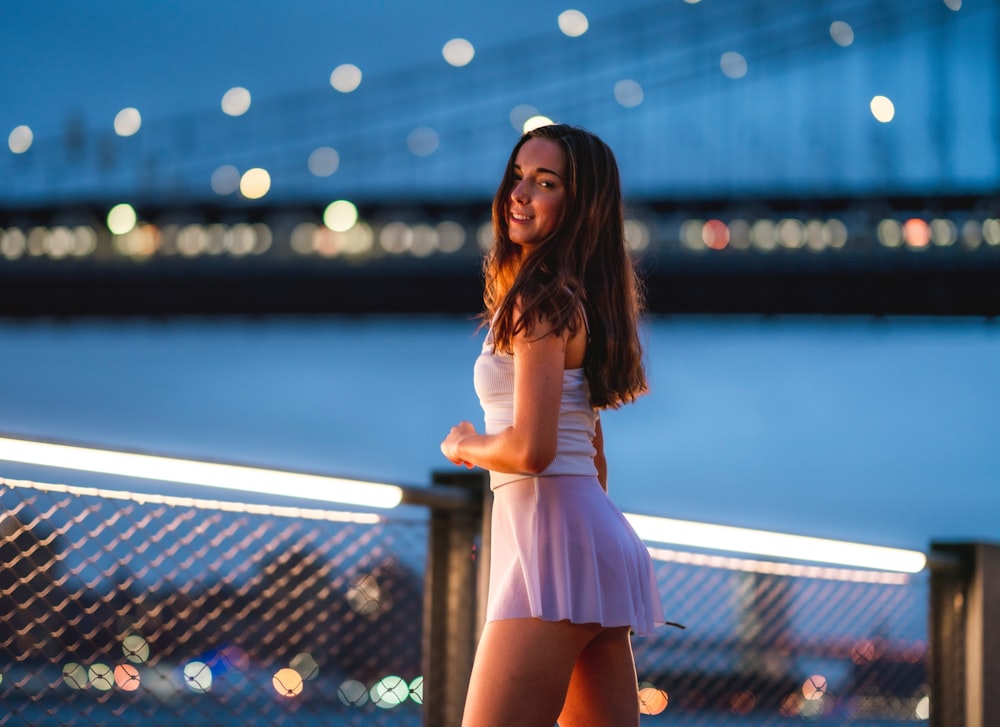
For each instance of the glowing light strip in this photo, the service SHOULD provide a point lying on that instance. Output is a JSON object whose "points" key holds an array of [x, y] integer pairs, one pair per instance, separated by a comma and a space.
{"points": [[770, 567], [145, 498], [209, 474], [780, 545]]}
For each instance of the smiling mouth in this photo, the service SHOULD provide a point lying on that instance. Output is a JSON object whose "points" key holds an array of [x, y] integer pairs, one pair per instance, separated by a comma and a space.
{"points": [[519, 218]]}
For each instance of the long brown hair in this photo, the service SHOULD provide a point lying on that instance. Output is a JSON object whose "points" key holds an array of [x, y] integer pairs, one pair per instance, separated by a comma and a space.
{"points": [[584, 262]]}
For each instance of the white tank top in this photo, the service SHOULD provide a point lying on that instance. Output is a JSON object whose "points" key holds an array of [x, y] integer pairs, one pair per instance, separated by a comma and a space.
{"points": [[494, 383]]}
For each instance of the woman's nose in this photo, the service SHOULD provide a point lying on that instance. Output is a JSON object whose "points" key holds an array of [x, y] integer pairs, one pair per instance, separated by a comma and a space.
{"points": [[519, 191]]}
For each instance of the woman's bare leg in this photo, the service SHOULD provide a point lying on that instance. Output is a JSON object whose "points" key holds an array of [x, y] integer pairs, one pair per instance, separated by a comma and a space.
{"points": [[522, 670], [603, 690]]}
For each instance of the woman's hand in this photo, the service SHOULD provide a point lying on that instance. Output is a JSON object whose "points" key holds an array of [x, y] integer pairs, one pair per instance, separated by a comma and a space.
{"points": [[450, 445]]}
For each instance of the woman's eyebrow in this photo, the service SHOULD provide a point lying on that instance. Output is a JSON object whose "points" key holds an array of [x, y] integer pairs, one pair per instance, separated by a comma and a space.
{"points": [[543, 170]]}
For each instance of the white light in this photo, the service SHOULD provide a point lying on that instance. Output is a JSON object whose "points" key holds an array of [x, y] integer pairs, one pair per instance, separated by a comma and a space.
{"points": [[236, 101], [225, 179], [955, 5], [323, 161], [882, 109], [340, 216], [780, 545], [842, 33], [733, 64], [127, 121], [20, 139], [423, 141], [458, 52], [255, 183], [345, 77], [573, 23], [209, 474], [121, 219], [521, 113], [628, 93], [535, 122]]}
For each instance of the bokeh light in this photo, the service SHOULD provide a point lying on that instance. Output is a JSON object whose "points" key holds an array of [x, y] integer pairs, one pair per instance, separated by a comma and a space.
{"points": [[287, 682], [128, 121], [127, 677], [255, 183], [305, 665], [352, 693], [346, 77], [340, 215], [423, 141], [715, 234], [197, 676], [842, 33], [955, 5], [628, 93], [814, 687], [535, 122], [20, 139], [417, 690], [75, 675], [389, 692], [458, 52], [236, 101], [882, 109], [135, 648], [652, 700], [225, 180], [573, 23], [101, 677], [121, 219], [917, 233], [520, 114], [323, 161], [733, 64]]}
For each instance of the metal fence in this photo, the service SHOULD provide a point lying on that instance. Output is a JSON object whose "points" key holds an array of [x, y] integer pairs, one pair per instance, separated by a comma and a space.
{"points": [[135, 609]]}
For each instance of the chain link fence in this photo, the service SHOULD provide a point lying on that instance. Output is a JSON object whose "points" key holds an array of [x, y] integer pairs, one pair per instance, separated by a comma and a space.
{"points": [[134, 609]]}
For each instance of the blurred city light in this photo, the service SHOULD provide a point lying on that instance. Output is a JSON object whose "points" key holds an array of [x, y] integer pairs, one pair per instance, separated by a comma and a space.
{"points": [[537, 121], [232, 477], [458, 52], [128, 121], [255, 183], [573, 23], [882, 109], [346, 77], [628, 93], [323, 161], [236, 101], [340, 215], [733, 64], [121, 219], [423, 141], [20, 139], [842, 33], [780, 545]]}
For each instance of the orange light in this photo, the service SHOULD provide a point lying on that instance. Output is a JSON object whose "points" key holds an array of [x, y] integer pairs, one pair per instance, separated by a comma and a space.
{"points": [[652, 700], [715, 234], [916, 232]]}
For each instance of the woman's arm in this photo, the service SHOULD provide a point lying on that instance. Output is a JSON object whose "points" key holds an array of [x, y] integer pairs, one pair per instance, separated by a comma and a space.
{"points": [[529, 444], [599, 459]]}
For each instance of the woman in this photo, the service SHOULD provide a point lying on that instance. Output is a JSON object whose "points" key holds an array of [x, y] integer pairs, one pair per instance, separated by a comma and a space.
{"points": [[568, 578]]}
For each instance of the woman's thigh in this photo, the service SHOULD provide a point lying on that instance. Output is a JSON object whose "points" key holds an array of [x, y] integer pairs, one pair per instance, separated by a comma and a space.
{"points": [[603, 690], [522, 671]]}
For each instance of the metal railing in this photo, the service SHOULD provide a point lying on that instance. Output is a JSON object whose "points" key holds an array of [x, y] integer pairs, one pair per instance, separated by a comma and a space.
{"points": [[147, 609]]}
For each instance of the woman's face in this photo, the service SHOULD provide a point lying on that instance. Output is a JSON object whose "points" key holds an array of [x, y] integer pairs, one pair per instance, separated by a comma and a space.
{"points": [[538, 192]]}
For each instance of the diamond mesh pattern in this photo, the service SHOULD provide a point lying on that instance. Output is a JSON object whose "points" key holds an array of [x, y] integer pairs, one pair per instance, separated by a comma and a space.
{"points": [[133, 609]]}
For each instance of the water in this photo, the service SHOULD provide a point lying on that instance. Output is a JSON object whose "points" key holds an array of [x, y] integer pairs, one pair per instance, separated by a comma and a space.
{"points": [[881, 431]]}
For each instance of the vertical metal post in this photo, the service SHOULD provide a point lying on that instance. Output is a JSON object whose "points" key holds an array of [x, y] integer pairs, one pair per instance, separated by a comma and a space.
{"points": [[965, 635], [450, 603]]}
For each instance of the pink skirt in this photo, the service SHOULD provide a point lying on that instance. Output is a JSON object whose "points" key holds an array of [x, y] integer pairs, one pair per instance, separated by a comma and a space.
{"points": [[562, 550]]}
